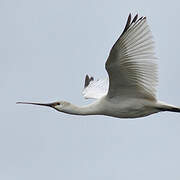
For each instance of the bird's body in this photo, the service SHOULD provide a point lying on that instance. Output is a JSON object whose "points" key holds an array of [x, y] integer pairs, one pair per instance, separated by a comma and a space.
{"points": [[115, 107], [120, 107], [130, 90], [123, 107]]}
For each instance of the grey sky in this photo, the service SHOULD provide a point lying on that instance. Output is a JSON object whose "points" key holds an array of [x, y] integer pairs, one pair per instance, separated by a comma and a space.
{"points": [[46, 48]]}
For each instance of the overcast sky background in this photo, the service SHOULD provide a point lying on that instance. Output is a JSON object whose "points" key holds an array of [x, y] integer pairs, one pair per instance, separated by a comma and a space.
{"points": [[46, 49]]}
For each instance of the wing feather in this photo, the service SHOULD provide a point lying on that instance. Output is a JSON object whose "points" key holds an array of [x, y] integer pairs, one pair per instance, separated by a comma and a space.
{"points": [[95, 89], [131, 64]]}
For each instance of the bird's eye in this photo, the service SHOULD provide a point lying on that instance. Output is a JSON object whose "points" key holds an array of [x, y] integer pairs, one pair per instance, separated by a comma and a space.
{"points": [[58, 103]]}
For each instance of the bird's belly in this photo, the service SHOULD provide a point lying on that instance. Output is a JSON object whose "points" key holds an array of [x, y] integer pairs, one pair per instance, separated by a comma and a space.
{"points": [[133, 113], [130, 109]]}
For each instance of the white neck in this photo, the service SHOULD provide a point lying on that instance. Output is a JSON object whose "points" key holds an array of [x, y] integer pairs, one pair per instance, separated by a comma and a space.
{"points": [[91, 109]]}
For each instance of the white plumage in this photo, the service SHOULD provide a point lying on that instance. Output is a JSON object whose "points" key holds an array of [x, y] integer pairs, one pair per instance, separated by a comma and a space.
{"points": [[130, 90], [95, 89], [131, 65]]}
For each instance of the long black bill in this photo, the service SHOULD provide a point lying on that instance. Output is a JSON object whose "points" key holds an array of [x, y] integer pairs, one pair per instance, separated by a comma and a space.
{"points": [[39, 104]]}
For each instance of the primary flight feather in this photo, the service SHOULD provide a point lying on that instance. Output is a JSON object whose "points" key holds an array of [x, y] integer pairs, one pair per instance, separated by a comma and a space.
{"points": [[130, 90]]}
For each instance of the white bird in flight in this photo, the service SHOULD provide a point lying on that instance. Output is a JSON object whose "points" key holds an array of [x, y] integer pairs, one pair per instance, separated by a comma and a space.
{"points": [[130, 90]]}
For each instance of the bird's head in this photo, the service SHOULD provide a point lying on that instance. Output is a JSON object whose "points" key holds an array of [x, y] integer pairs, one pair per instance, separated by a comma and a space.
{"points": [[58, 105]]}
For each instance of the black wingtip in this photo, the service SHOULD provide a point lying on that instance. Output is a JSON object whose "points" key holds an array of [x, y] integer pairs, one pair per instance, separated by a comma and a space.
{"points": [[88, 80], [135, 18], [129, 22]]}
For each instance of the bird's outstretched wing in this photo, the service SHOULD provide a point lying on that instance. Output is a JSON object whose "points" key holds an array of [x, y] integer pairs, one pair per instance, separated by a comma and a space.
{"points": [[131, 63], [95, 89]]}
